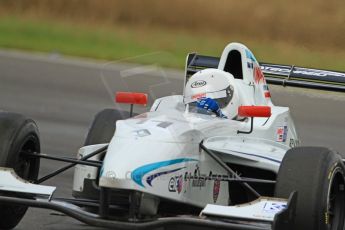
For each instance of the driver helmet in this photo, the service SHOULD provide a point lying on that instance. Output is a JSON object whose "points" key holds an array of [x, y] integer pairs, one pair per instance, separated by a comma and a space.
{"points": [[215, 84]]}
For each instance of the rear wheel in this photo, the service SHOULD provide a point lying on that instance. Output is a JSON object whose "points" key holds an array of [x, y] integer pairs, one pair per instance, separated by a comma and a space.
{"points": [[317, 174], [17, 135]]}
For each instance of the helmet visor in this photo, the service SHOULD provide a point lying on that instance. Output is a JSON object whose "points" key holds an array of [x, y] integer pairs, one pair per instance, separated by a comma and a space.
{"points": [[223, 97], [224, 101]]}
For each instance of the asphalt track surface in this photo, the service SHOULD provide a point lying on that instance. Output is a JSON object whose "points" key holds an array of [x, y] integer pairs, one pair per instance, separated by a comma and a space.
{"points": [[63, 94]]}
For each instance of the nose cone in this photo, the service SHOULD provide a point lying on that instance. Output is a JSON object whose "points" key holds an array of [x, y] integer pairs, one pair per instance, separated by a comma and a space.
{"points": [[142, 149], [138, 165]]}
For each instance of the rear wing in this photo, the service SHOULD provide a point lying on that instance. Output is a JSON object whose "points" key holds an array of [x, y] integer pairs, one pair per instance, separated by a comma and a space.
{"points": [[195, 63], [286, 75]]}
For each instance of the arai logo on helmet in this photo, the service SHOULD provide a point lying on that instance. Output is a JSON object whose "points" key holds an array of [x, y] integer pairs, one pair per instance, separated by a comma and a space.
{"points": [[198, 84]]}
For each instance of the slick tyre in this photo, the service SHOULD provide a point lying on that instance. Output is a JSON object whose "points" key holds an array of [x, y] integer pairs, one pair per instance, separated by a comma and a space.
{"points": [[18, 134], [317, 174], [101, 131], [102, 128]]}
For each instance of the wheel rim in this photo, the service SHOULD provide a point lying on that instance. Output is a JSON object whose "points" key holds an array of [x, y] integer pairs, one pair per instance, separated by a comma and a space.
{"points": [[335, 215], [26, 167]]}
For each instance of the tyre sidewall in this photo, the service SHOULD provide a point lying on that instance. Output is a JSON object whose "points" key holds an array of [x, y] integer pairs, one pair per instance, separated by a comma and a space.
{"points": [[16, 130], [334, 166], [28, 132], [309, 172], [103, 126]]}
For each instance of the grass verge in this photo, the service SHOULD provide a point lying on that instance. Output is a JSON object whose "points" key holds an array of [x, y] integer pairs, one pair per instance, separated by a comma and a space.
{"points": [[147, 45]]}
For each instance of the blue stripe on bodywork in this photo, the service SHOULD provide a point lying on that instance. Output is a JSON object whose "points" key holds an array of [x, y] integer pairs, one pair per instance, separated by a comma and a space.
{"points": [[138, 174], [250, 55], [154, 176], [254, 155]]}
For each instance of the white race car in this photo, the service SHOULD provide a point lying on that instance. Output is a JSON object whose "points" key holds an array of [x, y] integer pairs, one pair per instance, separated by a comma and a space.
{"points": [[180, 164]]}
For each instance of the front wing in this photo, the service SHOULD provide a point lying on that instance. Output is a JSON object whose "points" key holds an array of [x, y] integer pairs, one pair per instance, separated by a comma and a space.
{"points": [[265, 213]]}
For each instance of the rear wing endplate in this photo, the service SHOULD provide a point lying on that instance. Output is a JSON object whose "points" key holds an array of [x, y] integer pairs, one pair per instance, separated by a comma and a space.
{"points": [[286, 75]]}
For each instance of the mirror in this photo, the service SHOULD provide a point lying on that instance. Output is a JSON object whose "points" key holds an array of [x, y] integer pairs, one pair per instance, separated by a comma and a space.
{"points": [[254, 111], [131, 98]]}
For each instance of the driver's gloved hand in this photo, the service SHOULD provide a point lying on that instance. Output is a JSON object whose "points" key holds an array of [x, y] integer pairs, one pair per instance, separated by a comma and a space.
{"points": [[210, 105]]}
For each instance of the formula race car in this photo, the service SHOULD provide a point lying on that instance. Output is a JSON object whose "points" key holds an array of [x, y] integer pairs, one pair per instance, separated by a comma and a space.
{"points": [[181, 164]]}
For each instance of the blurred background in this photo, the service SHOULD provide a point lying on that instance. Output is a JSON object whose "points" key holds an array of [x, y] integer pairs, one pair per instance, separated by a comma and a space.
{"points": [[302, 32], [62, 94]]}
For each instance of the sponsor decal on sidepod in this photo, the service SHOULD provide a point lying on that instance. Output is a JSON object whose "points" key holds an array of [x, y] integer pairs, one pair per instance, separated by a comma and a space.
{"points": [[139, 173], [216, 189]]}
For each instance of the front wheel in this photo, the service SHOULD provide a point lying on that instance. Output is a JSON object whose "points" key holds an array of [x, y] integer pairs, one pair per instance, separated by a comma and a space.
{"points": [[101, 131], [17, 135], [317, 174]]}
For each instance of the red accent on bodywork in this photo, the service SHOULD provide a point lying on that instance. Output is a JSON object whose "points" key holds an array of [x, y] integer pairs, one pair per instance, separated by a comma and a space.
{"points": [[131, 98], [198, 96], [254, 111], [258, 75], [216, 190], [267, 94]]}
